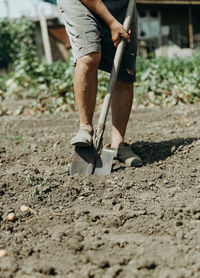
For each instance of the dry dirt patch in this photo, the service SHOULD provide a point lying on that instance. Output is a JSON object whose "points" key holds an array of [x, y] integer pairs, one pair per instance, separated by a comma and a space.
{"points": [[137, 222]]}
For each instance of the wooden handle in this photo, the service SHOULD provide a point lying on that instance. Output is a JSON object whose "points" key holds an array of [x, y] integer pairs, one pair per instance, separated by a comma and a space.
{"points": [[116, 65]]}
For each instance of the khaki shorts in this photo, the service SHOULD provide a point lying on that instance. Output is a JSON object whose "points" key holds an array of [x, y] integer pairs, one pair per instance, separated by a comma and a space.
{"points": [[88, 33]]}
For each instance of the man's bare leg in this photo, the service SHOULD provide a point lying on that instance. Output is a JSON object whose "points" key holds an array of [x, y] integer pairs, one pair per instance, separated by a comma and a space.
{"points": [[85, 87], [121, 107], [122, 100]]}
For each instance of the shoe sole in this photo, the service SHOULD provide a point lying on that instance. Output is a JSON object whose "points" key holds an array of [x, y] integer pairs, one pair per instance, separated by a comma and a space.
{"points": [[81, 143], [132, 164]]}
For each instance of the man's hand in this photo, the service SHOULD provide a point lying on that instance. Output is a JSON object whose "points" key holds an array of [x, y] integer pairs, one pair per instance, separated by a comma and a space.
{"points": [[117, 29], [118, 32]]}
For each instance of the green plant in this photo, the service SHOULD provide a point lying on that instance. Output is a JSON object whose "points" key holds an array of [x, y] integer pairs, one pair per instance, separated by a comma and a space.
{"points": [[51, 85], [166, 81], [6, 37], [16, 139], [160, 81]]}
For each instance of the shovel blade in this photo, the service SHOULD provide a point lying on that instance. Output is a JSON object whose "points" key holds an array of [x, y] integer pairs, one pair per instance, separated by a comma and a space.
{"points": [[104, 162], [83, 161]]}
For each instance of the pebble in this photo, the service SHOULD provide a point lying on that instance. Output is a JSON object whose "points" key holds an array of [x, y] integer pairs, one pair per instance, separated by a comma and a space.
{"points": [[24, 208], [11, 216], [173, 148], [81, 198], [151, 183], [3, 253], [165, 181], [197, 216], [19, 110], [198, 142]]}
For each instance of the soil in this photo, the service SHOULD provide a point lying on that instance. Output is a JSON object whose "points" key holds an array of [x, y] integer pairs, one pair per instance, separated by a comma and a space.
{"points": [[136, 222]]}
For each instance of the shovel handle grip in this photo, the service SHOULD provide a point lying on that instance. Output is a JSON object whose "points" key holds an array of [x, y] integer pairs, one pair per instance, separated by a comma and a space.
{"points": [[116, 65]]}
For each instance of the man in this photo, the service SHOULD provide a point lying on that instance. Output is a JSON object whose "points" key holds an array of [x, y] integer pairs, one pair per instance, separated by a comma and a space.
{"points": [[95, 29]]}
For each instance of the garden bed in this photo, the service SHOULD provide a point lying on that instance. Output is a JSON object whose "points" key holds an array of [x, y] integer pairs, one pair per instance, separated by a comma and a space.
{"points": [[136, 222]]}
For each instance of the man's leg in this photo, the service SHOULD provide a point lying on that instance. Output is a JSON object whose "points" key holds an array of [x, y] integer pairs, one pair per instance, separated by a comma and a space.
{"points": [[122, 100], [85, 87]]}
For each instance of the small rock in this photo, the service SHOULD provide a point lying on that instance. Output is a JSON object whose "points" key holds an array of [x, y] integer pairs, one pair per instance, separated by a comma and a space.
{"points": [[81, 198], [173, 148], [104, 264], [3, 253], [95, 218], [24, 208], [179, 223], [165, 181], [19, 110], [197, 216], [151, 183], [11, 216], [198, 142]]}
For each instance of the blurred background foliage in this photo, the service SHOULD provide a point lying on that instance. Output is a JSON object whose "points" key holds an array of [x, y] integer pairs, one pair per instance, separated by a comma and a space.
{"points": [[160, 81]]}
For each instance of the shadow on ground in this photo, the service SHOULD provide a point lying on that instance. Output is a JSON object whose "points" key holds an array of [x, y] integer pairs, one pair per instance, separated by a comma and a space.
{"points": [[152, 152]]}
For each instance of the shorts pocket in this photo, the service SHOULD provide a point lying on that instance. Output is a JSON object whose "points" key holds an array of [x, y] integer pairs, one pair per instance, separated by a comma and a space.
{"points": [[93, 36], [79, 41], [85, 39]]}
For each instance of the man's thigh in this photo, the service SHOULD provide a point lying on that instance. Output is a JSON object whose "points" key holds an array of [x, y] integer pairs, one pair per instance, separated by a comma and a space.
{"points": [[81, 26]]}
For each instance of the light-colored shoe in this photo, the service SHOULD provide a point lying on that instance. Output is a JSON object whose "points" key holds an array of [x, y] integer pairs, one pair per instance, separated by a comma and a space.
{"points": [[125, 154], [83, 138]]}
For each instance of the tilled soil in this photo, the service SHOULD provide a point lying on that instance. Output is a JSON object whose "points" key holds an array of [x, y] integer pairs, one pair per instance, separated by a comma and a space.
{"points": [[136, 222]]}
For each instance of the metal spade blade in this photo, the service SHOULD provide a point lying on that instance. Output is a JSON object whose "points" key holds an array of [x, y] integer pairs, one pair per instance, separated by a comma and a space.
{"points": [[83, 161], [104, 162]]}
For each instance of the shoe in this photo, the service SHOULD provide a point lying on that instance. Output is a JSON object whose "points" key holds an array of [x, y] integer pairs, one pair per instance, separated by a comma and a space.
{"points": [[125, 154], [83, 138]]}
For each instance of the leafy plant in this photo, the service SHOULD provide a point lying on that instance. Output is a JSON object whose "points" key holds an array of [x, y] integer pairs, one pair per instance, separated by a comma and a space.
{"points": [[164, 81], [16, 139], [160, 81]]}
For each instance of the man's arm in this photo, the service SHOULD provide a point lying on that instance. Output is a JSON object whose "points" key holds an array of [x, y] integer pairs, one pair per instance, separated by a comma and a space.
{"points": [[116, 28]]}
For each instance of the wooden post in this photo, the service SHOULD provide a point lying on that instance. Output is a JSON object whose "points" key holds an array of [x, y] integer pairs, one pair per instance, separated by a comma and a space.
{"points": [[45, 37], [191, 35], [7, 8], [160, 31]]}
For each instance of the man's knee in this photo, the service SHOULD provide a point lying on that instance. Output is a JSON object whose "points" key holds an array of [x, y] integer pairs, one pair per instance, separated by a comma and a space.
{"points": [[90, 60]]}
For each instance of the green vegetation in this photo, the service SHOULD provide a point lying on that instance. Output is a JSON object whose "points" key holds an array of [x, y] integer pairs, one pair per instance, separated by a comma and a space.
{"points": [[16, 139], [50, 85], [164, 81], [160, 81]]}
